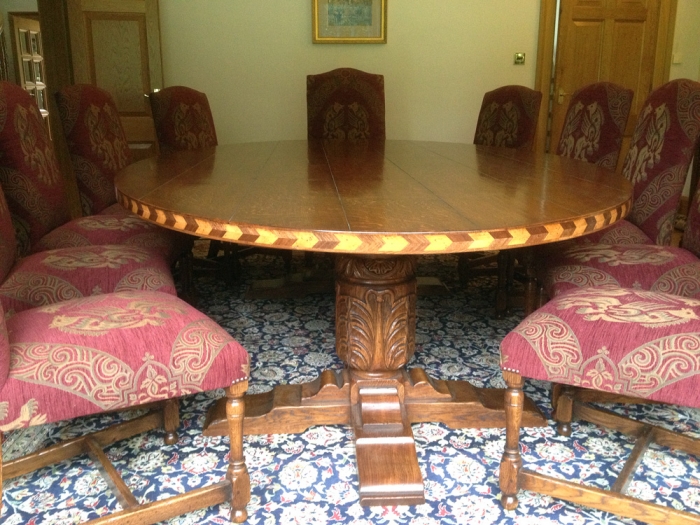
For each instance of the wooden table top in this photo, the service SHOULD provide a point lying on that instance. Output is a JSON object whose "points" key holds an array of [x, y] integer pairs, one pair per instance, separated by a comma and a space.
{"points": [[396, 197]]}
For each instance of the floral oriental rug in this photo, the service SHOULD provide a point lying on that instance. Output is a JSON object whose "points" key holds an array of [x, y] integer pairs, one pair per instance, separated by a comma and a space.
{"points": [[310, 478]]}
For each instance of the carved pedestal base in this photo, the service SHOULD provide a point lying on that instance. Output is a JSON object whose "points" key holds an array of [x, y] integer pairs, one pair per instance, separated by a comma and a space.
{"points": [[375, 337]]}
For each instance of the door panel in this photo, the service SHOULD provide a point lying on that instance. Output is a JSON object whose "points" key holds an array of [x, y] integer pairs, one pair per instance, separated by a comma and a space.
{"points": [[115, 44], [605, 40]]}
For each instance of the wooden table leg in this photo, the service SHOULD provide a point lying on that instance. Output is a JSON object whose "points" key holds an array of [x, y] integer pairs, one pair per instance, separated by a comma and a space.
{"points": [[375, 338]]}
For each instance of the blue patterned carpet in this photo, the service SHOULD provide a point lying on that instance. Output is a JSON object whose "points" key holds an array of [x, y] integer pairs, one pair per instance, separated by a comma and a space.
{"points": [[310, 478]]}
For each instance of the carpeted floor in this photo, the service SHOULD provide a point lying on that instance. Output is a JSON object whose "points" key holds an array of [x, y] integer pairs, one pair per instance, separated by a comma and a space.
{"points": [[310, 478]]}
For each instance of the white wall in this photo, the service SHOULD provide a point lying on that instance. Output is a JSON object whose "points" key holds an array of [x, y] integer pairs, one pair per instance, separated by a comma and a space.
{"points": [[251, 57], [686, 41]]}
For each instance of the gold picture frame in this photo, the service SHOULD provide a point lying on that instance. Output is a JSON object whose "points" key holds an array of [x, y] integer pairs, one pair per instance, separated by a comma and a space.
{"points": [[349, 21]]}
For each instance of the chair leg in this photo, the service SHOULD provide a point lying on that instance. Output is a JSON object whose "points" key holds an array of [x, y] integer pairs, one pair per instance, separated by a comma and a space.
{"points": [[511, 462], [564, 412], [171, 420], [237, 472], [502, 286], [214, 247], [186, 264]]}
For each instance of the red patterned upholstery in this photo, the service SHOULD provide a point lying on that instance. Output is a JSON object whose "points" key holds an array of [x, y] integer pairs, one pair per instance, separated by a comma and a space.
{"points": [[615, 260], [659, 157], [612, 339], [345, 103], [59, 275], [594, 124], [34, 191], [29, 172], [8, 242], [603, 344], [508, 117], [4, 350], [111, 352], [96, 141], [182, 118], [116, 229], [640, 266]]}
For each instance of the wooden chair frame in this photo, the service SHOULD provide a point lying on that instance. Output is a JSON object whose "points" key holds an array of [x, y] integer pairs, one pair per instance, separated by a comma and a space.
{"points": [[235, 487], [514, 477]]}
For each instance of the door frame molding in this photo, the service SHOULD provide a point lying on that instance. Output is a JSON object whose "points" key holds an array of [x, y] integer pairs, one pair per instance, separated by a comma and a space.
{"points": [[545, 57]]}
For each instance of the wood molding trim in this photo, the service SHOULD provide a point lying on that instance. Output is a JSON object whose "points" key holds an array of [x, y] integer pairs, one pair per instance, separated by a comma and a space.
{"points": [[59, 73], [664, 42], [543, 70]]}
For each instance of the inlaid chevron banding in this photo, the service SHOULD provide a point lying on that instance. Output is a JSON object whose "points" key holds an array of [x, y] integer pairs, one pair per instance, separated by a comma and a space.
{"points": [[399, 243]]}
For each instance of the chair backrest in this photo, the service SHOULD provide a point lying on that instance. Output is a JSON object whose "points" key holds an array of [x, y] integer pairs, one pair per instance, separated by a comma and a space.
{"points": [[4, 350], [182, 118], [508, 118], [8, 253], [29, 174], [691, 234], [345, 103], [8, 242], [96, 141], [659, 156], [595, 122]]}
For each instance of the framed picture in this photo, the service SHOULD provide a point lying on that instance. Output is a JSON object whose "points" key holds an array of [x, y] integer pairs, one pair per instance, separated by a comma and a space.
{"points": [[349, 21]]}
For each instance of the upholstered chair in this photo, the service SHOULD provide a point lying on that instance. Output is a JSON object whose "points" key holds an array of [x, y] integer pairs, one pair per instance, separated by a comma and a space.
{"points": [[646, 265], [594, 124], [52, 276], [183, 121], [345, 104], [508, 118], [657, 164], [182, 118], [623, 342], [33, 187], [96, 142], [113, 352]]}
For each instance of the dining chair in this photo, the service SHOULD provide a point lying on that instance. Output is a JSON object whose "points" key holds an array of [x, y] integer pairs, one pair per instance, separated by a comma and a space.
{"points": [[594, 124], [656, 164], [182, 118], [184, 121], [345, 104], [508, 118], [96, 142], [624, 342], [52, 276], [645, 265], [113, 352], [36, 197]]}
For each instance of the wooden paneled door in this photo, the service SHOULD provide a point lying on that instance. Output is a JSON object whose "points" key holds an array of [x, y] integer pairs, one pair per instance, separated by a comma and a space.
{"points": [[623, 41], [115, 44]]}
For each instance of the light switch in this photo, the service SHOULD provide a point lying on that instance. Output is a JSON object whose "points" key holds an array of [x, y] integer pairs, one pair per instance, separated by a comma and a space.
{"points": [[519, 59]]}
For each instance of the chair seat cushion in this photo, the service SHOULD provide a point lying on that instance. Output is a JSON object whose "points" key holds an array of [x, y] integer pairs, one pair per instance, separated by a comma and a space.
{"points": [[631, 342], [642, 266], [110, 352], [116, 229], [58, 275]]}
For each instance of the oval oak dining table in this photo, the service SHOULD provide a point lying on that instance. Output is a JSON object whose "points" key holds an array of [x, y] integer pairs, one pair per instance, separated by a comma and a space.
{"points": [[377, 206]]}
